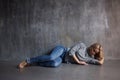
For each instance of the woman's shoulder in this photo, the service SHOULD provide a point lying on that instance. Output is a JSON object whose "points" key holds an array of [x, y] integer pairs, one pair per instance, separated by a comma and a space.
{"points": [[81, 44]]}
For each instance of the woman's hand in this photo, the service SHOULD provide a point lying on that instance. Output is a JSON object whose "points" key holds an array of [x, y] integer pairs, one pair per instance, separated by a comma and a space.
{"points": [[83, 63], [78, 61]]}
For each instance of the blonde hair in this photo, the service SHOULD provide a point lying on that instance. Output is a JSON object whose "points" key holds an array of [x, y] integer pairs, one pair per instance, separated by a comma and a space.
{"points": [[98, 55]]}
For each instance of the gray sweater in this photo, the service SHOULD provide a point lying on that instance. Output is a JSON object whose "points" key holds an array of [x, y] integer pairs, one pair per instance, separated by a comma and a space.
{"points": [[80, 50]]}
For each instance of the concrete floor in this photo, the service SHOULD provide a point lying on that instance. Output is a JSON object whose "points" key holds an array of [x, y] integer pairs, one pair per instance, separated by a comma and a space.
{"points": [[109, 71]]}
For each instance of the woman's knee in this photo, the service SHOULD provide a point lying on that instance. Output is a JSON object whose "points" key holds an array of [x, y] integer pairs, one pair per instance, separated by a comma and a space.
{"points": [[59, 48], [58, 51], [57, 62]]}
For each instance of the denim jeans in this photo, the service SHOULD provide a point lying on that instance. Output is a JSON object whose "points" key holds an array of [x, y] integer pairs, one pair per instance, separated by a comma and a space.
{"points": [[53, 60]]}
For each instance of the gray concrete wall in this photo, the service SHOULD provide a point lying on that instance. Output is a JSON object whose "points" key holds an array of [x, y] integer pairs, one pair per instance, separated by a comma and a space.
{"points": [[33, 27]]}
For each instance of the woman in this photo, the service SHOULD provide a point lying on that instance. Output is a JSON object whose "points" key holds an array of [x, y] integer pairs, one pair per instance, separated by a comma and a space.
{"points": [[78, 54]]}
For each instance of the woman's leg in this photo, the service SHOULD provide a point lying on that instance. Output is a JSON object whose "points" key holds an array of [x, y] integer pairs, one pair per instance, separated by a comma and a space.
{"points": [[57, 52], [54, 63]]}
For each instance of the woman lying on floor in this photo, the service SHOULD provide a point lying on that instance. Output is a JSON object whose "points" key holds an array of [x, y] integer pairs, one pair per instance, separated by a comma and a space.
{"points": [[79, 54]]}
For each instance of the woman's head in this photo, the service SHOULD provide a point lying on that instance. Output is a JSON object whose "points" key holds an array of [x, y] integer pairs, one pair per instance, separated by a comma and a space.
{"points": [[96, 50]]}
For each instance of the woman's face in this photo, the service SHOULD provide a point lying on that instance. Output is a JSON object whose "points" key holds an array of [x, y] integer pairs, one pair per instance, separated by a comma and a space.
{"points": [[95, 50], [92, 52]]}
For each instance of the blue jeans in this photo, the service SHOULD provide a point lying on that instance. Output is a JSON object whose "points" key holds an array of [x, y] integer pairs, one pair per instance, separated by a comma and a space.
{"points": [[52, 60]]}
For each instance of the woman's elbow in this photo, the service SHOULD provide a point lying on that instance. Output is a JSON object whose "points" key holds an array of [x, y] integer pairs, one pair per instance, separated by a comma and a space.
{"points": [[101, 62]]}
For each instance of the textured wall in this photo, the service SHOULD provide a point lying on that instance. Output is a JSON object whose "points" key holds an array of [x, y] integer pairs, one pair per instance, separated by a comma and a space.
{"points": [[33, 27]]}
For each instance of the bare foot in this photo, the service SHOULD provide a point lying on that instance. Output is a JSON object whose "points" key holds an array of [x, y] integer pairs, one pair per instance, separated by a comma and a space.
{"points": [[22, 64]]}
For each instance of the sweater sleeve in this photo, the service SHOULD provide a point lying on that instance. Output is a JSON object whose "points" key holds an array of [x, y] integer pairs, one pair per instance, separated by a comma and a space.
{"points": [[92, 61]]}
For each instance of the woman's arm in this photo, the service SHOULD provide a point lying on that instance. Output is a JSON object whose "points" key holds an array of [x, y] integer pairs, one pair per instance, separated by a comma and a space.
{"points": [[101, 61], [78, 61]]}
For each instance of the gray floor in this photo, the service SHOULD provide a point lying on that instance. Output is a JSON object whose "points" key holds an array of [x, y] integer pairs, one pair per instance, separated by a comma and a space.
{"points": [[109, 71]]}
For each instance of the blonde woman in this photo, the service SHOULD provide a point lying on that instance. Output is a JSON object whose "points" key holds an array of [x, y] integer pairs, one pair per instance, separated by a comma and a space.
{"points": [[79, 54]]}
